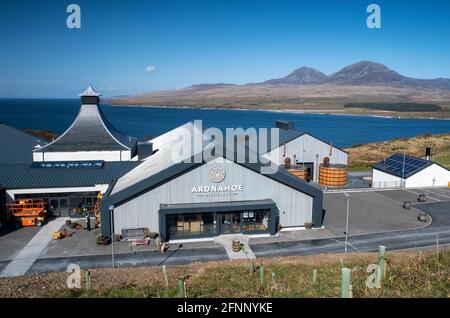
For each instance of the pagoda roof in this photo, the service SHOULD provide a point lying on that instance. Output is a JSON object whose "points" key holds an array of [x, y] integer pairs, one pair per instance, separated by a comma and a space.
{"points": [[90, 131]]}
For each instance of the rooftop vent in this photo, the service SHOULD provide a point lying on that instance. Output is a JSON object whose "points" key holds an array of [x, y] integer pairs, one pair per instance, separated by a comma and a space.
{"points": [[284, 124]]}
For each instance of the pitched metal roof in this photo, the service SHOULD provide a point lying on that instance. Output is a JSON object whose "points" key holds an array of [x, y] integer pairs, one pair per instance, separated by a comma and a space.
{"points": [[174, 135], [16, 146], [90, 131], [286, 136], [23, 176], [402, 165], [162, 158], [138, 185], [146, 176]]}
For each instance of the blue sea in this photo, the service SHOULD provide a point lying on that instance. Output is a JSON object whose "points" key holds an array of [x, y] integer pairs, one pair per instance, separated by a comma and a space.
{"points": [[343, 130]]}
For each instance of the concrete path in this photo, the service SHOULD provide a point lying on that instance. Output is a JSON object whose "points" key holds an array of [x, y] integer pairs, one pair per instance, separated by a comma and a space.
{"points": [[28, 255], [227, 242]]}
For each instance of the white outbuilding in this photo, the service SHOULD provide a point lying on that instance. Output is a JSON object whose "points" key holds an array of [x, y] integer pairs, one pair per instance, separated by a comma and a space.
{"points": [[303, 149], [401, 170]]}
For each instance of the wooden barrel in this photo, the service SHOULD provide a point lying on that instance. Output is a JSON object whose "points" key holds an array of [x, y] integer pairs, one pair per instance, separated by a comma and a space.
{"points": [[236, 246], [300, 173], [333, 175]]}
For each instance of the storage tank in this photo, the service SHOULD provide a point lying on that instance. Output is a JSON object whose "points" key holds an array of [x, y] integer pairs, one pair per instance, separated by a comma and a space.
{"points": [[333, 175], [298, 172]]}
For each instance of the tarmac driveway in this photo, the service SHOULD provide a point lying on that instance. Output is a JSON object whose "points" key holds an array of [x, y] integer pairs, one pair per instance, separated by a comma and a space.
{"points": [[13, 240], [437, 231], [370, 212]]}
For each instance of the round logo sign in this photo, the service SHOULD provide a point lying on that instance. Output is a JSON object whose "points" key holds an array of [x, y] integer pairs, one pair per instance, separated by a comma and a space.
{"points": [[217, 174]]}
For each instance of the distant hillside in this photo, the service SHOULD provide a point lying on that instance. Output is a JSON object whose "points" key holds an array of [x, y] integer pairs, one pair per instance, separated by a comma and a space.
{"points": [[303, 75], [307, 89], [370, 73], [368, 154]]}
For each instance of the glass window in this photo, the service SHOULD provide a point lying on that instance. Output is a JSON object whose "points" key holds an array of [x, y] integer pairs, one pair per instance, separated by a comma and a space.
{"points": [[63, 203], [231, 222], [76, 205], [88, 201], [257, 220], [190, 224]]}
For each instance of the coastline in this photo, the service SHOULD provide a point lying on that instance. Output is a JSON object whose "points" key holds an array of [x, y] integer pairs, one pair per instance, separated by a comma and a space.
{"points": [[338, 112]]}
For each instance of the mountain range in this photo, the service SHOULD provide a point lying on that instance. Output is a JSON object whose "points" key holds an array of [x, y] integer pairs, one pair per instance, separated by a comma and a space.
{"points": [[361, 73], [305, 87]]}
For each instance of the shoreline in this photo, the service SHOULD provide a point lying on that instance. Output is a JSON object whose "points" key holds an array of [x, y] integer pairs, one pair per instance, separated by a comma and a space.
{"points": [[338, 112]]}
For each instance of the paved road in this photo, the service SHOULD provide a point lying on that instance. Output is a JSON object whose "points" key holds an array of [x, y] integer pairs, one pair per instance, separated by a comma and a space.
{"points": [[394, 240], [370, 212], [403, 239], [175, 256]]}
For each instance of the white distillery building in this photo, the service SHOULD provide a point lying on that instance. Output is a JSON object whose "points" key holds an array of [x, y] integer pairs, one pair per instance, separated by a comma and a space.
{"points": [[400, 170], [303, 149], [205, 199], [72, 170]]}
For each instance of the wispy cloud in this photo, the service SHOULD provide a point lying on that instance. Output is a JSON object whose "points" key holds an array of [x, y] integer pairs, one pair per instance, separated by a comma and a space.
{"points": [[150, 69]]}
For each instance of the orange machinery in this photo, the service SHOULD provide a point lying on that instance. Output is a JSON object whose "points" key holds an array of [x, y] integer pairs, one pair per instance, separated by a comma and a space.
{"points": [[31, 212]]}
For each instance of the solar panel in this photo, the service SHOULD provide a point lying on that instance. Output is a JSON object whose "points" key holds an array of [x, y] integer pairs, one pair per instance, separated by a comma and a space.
{"points": [[98, 164], [402, 165]]}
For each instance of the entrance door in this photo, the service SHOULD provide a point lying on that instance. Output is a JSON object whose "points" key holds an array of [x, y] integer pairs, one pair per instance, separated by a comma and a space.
{"points": [[231, 223], [59, 207], [63, 207], [53, 207]]}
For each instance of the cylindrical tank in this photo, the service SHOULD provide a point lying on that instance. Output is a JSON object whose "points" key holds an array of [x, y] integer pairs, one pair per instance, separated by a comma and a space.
{"points": [[333, 175], [302, 174]]}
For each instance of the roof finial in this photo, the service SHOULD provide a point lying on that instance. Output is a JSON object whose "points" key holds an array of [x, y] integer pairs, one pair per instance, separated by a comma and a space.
{"points": [[90, 91]]}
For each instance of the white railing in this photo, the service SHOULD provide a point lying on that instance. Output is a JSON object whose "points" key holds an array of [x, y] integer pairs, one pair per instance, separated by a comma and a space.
{"points": [[388, 184]]}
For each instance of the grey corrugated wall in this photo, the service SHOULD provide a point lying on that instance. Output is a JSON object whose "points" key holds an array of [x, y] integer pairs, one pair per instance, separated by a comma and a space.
{"points": [[295, 207]]}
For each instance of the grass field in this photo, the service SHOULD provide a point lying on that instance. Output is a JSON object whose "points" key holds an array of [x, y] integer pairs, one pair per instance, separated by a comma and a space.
{"points": [[407, 275], [361, 157], [443, 159]]}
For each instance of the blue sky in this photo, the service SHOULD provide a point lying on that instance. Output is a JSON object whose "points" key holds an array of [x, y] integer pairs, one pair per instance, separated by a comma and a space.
{"points": [[208, 41]]}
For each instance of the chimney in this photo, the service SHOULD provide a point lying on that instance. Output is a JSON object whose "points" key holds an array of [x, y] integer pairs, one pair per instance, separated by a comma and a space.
{"points": [[428, 153], [286, 125], [144, 150]]}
